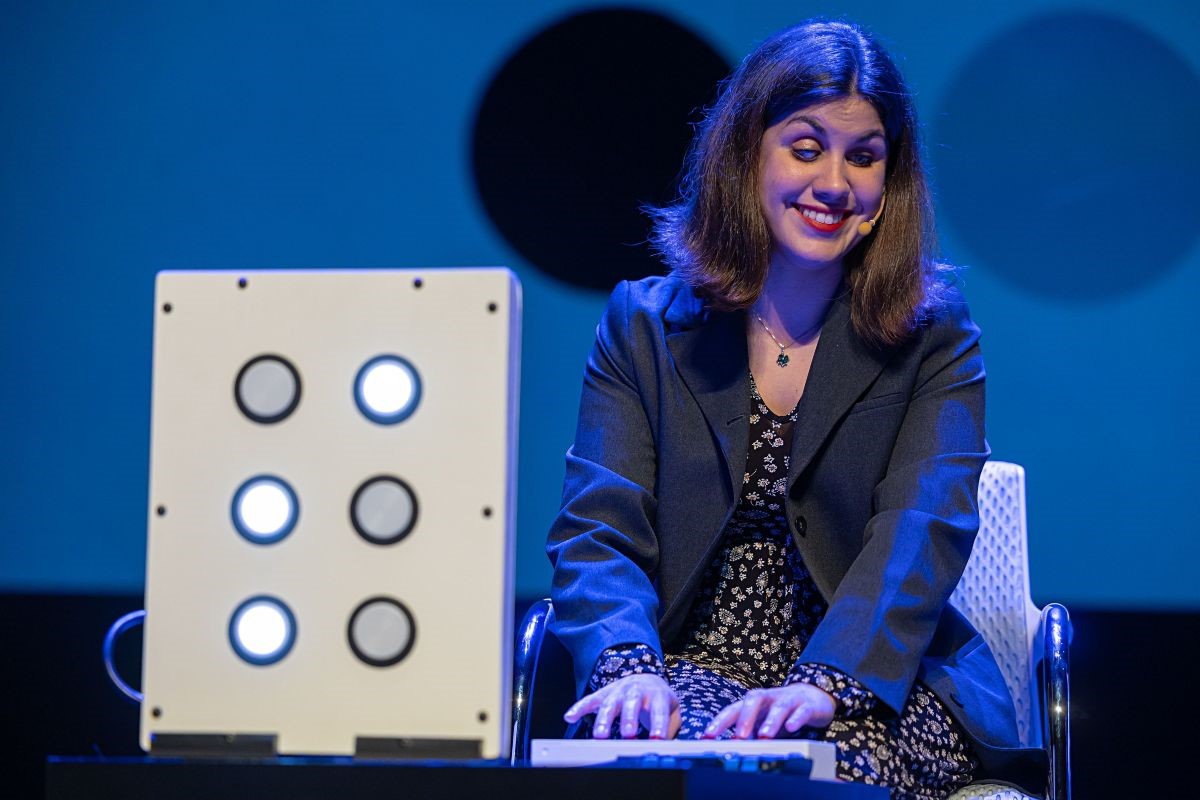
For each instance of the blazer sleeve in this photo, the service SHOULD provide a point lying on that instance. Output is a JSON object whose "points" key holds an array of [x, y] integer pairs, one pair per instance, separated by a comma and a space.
{"points": [[603, 544], [924, 518]]}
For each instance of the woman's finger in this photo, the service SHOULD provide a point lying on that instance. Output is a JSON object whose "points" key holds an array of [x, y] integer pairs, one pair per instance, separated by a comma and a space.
{"points": [[604, 716], [724, 718], [776, 714], [583, 706], [631, 707], [676, 721], [748, 716], [799, 718], [660, 715]]}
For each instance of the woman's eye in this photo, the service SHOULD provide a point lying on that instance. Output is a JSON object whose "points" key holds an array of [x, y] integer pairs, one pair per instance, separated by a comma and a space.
{"points": [[861, 159], [805, 153]]}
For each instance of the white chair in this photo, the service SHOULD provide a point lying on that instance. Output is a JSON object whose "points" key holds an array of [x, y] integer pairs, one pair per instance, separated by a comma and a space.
{"points": [[1030, 645]]}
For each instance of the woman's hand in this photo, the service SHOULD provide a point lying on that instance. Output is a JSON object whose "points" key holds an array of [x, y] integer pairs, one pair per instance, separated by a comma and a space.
{"points": [[763, 712], [634, 699]]}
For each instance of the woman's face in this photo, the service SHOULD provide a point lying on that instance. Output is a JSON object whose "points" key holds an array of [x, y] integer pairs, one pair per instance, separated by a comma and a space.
{"points": [[820, 174]]}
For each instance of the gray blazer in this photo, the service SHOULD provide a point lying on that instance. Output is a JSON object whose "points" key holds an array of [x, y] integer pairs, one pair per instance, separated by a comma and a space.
{"points": [[884, 467]]}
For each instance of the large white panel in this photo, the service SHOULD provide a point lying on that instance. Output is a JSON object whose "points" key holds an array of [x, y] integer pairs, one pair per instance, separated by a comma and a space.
{"points": [[461, 330]]}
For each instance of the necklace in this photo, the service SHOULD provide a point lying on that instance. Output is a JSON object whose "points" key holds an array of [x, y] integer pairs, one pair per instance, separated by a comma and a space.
{"points": [[784, 359]]}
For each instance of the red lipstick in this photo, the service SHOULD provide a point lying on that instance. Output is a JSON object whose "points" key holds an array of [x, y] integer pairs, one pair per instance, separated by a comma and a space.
{"points": [[823, 227]]}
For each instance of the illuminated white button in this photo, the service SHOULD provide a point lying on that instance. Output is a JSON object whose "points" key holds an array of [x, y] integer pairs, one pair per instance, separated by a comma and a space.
{"points": [[387, 389], [267, 389], [381, 631], [262, 630], [265, 509]]}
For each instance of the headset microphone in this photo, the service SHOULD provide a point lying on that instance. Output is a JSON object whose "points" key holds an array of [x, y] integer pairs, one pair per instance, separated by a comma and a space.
{"points": [[865, 228]]}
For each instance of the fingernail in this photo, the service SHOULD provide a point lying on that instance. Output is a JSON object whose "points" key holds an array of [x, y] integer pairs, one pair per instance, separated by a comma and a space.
{"points": [[763, 730]]}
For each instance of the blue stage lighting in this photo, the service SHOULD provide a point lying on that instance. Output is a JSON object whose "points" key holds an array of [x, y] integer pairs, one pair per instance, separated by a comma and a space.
{"points": [[262, 630], [381, 631], [265, 509], [387, 389]]}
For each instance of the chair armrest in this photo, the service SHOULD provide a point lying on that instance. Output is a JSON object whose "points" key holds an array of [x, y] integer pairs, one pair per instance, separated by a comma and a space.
{"points": [[1056, 699], [529, 647]]}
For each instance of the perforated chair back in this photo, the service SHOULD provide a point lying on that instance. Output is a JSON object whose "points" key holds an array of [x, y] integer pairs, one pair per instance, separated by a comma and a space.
{"points": [[994, 590]]}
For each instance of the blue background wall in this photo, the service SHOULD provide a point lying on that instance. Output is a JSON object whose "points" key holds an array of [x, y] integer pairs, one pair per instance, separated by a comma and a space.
{"points": [[137, 136]]}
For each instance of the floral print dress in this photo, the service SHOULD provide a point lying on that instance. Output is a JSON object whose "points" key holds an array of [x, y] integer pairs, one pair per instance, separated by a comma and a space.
{"points": [[754, 613]]}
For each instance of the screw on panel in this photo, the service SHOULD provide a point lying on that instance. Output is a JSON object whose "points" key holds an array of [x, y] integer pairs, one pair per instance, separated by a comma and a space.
{"points": [[161, 511], [492, 307], [156, 712], [418, 283], [241, 283], [487, 511], [166, 308], [483, 716]]}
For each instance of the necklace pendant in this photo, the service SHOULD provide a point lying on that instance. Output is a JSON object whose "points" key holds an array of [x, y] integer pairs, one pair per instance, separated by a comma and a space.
{"points": [[783, 359]]}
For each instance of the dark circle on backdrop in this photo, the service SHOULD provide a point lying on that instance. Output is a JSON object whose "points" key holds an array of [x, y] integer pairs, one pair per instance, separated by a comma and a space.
{"points": [[585, 122], [1060, 154]]}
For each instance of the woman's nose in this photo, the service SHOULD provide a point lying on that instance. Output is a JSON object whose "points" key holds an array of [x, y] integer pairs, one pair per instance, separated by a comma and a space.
{"points": [[831, 184]]}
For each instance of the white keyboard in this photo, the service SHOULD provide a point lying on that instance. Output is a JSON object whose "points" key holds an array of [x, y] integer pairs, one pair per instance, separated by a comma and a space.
{"points": [[588, 752]]}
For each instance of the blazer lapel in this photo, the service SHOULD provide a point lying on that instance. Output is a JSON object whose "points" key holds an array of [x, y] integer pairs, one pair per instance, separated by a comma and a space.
{"points": [[842, 369], [713, 363]]}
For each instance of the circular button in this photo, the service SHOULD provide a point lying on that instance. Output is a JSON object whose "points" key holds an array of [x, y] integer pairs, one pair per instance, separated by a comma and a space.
{"points": [[383, 510], [265, 509], [801, 525], [267, 389], [381, 631], [262, 630], [387, 389]]}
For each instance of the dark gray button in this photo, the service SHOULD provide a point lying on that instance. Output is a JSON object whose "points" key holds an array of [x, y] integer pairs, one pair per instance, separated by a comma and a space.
{"points": [[267, 389], [383, 510], [381, 631], [801, 525]]}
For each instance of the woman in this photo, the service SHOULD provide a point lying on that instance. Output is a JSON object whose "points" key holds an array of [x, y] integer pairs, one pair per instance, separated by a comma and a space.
{"points": [[771, 493]]}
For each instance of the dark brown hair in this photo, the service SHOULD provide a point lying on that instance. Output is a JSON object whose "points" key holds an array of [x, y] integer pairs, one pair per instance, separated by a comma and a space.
{"points": [[715, 237]]}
